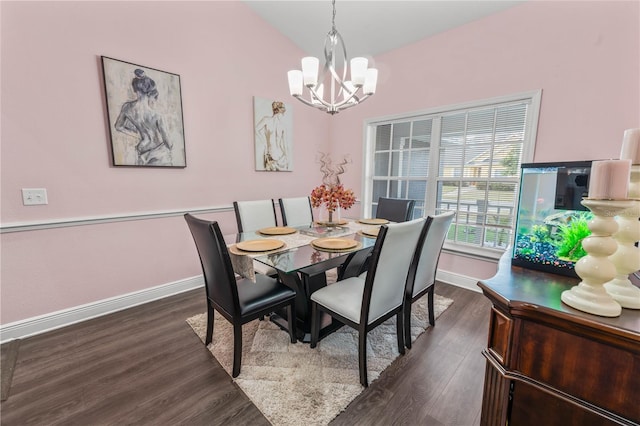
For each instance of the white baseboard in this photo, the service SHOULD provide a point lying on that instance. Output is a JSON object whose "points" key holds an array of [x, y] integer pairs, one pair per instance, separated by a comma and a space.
{"points": [[63, 318], [458, 280], [54, 320]]}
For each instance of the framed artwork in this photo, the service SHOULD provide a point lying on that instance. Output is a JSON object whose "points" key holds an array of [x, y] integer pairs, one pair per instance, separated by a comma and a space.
{"points": [[144, 107], [273, 124]]}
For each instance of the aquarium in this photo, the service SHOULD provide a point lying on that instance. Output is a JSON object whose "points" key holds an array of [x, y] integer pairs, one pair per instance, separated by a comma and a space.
{"points": [[551, 223]]}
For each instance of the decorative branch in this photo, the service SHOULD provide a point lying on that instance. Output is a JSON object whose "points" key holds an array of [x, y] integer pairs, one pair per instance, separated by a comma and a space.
{"points": [[331, 173]]}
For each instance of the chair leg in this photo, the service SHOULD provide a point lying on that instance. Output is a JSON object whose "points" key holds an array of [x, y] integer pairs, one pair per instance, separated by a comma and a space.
{"points": [[407, 323], [400, 331], [362, 355], [315, 324], [237, 349], [291, 322], [209, 337], [432, 319]]}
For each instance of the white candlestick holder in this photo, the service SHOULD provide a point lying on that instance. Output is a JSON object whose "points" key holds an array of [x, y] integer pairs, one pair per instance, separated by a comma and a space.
{"points": [[626, 258], [634, 182], [596, 268]]}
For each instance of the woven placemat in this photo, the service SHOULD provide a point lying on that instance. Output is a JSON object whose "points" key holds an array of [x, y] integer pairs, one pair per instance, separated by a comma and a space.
{"points": [[338, 223], [235, 250], [356, 247], [362, 234], [374, 221], [278, 230]]}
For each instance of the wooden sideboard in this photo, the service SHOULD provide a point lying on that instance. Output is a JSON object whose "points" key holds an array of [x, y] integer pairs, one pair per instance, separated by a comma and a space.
{"points": [[549, 364]]}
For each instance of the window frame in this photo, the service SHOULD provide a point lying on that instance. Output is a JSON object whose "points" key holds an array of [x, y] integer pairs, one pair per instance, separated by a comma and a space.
{"points": [[533, 98]]}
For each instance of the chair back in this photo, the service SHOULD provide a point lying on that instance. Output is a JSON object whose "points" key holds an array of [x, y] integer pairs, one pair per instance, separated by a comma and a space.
{"points": [[216, 264], [254, 215], [429, 251], [296, 211], [395, 209], [391, 259]]}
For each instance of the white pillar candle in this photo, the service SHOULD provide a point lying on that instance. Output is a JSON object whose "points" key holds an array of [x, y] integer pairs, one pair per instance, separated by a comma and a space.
{"points": [[631, 146], [609, 179]]}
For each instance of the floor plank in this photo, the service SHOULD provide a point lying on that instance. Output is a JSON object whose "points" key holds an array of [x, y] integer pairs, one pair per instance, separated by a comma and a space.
{"points": [[145, 366], [8, 358]]}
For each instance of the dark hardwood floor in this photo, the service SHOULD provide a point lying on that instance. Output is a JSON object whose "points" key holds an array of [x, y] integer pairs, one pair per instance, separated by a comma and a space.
{"points": [[145, 366]]}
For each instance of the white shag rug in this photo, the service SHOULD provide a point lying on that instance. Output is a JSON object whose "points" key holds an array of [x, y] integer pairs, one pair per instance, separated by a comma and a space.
{"points": [[292, 384]]}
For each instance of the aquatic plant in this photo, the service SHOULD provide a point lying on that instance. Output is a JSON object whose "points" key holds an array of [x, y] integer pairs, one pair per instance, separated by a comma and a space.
{"points": [[536, 245], [571, 235], [527, 252], [540, 234]]}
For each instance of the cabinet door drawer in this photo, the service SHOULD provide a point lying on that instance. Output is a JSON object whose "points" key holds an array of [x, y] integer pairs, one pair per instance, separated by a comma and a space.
{"points": [[531, 406], [598, 373], [500, 330]]}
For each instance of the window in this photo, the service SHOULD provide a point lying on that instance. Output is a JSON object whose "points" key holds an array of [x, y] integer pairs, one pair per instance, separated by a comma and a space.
{"points": [[464, 158]]}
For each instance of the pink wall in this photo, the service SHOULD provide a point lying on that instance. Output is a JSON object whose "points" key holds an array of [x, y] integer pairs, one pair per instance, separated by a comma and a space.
{"points": [[584, 55], [54, 136]]}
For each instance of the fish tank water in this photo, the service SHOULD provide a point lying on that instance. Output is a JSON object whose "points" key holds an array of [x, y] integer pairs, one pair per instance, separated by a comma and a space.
{"points": [[551, 223]]}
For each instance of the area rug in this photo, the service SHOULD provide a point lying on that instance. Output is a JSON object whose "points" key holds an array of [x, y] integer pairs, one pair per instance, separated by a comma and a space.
{"points": [[292, 384]]}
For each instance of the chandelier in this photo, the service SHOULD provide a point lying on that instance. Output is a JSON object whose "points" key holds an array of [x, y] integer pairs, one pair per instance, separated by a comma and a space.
{"points": [[343, 93]]}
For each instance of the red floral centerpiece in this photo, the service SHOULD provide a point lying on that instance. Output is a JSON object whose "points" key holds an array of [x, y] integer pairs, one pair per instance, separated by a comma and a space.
{"points": [[332, 195]]}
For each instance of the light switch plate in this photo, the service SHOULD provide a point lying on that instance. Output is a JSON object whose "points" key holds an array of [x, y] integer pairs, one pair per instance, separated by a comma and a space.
{"points": [[34, 196]]}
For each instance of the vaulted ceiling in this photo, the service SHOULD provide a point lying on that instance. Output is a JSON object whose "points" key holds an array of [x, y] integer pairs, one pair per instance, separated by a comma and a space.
{"points": [[371, 27]]}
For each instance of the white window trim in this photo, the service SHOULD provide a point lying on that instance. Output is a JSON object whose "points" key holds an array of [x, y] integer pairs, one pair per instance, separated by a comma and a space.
{"points": [[528, 150]]}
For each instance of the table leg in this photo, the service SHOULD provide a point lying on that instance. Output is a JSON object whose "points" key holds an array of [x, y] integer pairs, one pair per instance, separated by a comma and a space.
{"points": [[305, 283]]}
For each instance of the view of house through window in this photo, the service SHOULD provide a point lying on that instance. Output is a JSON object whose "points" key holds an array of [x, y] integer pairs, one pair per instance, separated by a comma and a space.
{"points": [[464, 159]]}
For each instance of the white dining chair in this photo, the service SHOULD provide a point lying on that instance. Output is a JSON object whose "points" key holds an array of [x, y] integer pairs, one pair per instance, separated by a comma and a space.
{"points": [[254, 215], [366, 301], [423, 282], [296, 211]]}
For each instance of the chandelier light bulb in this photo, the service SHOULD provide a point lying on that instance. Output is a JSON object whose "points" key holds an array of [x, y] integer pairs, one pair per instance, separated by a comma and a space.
{"points": [[370, 81], [310, 70], [295, 82], [358, 70]]}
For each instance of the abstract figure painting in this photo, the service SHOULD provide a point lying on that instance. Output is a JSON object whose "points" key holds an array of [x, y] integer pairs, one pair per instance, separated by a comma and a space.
{"points": [[273, 126], [144, 107]]}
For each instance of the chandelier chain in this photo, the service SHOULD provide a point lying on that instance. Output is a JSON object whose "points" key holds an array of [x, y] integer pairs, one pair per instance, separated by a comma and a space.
{"points": [[333, 19]]}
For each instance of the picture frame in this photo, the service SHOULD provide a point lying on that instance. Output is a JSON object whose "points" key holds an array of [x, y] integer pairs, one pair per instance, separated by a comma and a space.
{"points": [[144, 110], [273, 135]]}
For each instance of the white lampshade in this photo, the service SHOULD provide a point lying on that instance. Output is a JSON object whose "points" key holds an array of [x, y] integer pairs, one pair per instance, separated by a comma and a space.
{"points": [[310, 70], [358, 70], [320, 91], [295, 82], [370, 81]]}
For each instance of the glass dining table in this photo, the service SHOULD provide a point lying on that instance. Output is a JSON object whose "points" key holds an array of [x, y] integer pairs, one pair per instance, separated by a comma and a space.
{"points": [[303, 267]]}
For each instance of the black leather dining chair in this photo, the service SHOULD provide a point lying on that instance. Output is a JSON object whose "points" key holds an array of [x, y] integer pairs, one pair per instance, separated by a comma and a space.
{"points": [[364, 302], [424, 280], [239, 301], [395, 209]]}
